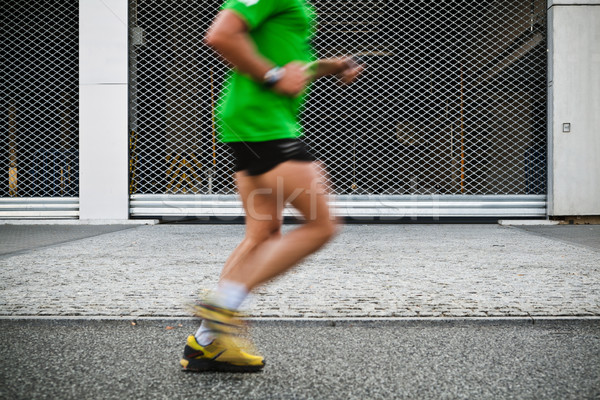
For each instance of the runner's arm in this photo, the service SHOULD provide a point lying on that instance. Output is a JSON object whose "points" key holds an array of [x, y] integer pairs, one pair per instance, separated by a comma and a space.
{"points": [[329, 66], [228, 35], [345, 68]]}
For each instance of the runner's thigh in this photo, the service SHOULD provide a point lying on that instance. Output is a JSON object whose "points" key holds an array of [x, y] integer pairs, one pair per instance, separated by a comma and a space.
{"points": [[301, 184], [263, 216]]}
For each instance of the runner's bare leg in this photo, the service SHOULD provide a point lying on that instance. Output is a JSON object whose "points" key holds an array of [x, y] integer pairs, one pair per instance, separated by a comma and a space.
{"points": [[263, 220], [301, 184]]}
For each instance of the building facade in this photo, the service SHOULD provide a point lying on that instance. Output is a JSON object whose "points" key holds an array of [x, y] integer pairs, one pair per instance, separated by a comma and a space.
{"points": [[466, 109]]}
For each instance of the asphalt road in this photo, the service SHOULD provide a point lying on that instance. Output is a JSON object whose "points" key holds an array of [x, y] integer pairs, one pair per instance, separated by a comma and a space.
{"points": [[306, 360]]}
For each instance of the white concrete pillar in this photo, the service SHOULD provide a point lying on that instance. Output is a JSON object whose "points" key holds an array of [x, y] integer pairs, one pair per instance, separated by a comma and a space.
{"points": [[574, 107], [103, 110]]}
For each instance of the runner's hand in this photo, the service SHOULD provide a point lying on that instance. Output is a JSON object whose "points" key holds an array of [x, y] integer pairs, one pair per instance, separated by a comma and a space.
{"points": [[294, 80], [351, 72]]}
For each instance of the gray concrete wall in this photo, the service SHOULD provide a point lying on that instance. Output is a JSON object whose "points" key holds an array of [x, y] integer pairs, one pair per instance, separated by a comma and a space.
{"points": [[574, 107]]}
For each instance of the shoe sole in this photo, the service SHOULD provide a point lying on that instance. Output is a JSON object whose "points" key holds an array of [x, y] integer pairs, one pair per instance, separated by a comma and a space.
{"points": [[194, 365]]}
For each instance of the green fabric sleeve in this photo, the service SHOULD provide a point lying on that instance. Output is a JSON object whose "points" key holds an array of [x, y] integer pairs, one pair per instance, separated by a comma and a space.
{"points": [[254, 12]]}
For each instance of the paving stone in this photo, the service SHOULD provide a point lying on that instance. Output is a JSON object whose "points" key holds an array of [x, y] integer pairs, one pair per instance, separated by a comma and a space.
{"points": [[367, 271]]}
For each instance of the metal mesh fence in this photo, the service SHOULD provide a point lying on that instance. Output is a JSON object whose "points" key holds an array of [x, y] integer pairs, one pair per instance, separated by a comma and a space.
{"points": [[453, 99], [39, 99]]}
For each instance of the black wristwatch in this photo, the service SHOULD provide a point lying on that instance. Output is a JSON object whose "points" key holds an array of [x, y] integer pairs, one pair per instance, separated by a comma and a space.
{"points": [[273, 76]]}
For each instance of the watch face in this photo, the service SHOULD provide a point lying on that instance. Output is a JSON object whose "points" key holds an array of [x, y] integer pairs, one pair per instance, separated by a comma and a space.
{"points": [[273, 76]]}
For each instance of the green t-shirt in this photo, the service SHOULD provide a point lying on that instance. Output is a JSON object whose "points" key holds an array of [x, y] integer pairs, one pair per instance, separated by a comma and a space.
{"points": [[249, 112]]}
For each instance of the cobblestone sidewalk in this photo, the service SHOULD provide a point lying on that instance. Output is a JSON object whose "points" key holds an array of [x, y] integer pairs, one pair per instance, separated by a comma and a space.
{"points": [[368, 271]]}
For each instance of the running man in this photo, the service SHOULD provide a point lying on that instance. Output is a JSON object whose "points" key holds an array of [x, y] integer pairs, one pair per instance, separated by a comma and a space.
{"points": [[267, 42]]}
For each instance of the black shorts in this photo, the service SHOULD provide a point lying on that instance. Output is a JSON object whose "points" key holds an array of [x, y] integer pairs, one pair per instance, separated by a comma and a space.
{"points": [[259, 157]]}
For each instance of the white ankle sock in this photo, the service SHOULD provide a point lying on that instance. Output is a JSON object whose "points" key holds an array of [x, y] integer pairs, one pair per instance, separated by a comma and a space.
{"points": [[203, 336], [229, 295]]}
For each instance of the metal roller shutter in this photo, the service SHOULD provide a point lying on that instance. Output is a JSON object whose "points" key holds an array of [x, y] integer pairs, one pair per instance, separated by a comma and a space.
{"points": [[449, 117], [39, 99]]}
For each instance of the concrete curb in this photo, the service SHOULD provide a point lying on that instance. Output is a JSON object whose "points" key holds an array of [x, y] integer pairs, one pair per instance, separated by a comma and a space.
{"points": [[527, 222], [326, 321]]}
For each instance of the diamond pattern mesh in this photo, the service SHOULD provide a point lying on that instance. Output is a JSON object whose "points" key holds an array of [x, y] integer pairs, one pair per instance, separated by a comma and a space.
{"points": [[39, 97], [453, 99]]}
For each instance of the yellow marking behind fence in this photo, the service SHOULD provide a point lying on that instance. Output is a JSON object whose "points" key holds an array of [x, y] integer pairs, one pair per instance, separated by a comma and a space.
{"points": [[182, 174], [12, 182]]}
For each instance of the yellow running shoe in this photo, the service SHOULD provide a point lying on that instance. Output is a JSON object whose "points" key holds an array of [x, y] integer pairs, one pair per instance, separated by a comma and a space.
{"points": [[223, 354], [220, 319]]}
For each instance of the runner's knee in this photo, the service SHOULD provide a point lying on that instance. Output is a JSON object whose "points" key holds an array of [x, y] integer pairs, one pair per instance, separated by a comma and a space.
{"points": [[256, 238], [325, 230]]}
